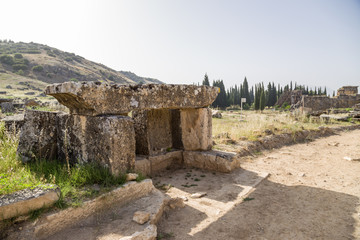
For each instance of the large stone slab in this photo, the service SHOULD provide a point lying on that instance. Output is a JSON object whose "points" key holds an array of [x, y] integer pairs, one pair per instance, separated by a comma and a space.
{"points": [[196, 129], [93, 98], [38, 137], [109, 140], [27, 200]]}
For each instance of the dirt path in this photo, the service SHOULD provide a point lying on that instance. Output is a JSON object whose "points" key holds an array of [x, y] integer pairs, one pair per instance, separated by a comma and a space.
{"points": [[312, 193]]}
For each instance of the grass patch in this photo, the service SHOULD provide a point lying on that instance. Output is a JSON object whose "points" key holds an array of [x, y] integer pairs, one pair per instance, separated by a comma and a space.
{"points": [[252, 125], [248, 199], [76, 183]]}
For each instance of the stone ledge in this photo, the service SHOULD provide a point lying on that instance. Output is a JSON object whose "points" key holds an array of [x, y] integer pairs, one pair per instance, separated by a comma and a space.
{"points": [[212, 160], [93, 98], [27, 200], [150, 165], [56, 221]]}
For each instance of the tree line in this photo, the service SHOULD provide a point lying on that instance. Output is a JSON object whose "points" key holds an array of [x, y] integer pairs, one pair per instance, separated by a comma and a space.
{"points": [[258, 96]]}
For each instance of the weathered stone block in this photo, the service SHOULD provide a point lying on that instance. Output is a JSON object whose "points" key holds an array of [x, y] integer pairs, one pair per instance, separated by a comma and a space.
{"points": [[166, 160], [143, 166], [93, 98], [212, 160], [152, 131], [196, 129], [109, 140], [7, 107], [14, 123], [38, 137]]}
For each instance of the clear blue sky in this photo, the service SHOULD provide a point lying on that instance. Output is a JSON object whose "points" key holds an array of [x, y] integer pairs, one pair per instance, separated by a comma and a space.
{"points": [[312, 42]]}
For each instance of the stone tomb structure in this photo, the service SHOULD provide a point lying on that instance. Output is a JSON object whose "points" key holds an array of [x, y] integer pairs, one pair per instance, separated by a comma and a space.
{"points": [[143, 128]]}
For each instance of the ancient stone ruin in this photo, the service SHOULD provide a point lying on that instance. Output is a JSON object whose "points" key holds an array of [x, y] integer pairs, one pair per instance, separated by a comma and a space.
{"points": [[347, 97], [143, 128]]}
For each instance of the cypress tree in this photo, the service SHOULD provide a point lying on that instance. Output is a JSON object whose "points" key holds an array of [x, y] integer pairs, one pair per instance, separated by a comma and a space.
{"points": [[262, 100], [206, 80]]}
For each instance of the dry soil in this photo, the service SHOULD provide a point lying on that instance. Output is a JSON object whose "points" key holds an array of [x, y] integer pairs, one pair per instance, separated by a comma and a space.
{"points": [[312, 192]]}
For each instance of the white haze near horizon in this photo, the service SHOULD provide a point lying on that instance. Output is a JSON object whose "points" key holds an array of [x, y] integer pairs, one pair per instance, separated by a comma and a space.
{"points": [[316, 43]]}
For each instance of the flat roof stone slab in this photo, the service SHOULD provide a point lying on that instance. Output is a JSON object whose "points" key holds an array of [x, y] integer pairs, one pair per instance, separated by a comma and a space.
{"points": [[94, 98]]}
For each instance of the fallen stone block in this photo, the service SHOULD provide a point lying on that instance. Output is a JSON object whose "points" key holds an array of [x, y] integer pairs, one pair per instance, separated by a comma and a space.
{"points": [[27, 200], [94, 98], [212, 160]]}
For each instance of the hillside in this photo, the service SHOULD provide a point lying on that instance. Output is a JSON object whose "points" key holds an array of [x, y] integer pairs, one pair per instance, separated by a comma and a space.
{"points": [[26, 68]]}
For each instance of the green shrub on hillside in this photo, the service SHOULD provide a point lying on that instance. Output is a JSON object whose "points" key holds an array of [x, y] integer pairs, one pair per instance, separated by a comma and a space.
{"points": [[50, 53], [38, 68], [6, 59], [18, 56], [20, 72], [73, 80], [68, 59], [17, 67]]}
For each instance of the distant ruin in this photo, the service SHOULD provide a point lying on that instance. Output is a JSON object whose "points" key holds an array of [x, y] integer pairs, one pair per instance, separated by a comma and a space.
{"points": [[143, 128], [347, 97]]}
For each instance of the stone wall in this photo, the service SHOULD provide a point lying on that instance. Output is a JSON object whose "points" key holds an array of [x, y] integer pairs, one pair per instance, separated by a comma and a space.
{"points": [[318, 103]]}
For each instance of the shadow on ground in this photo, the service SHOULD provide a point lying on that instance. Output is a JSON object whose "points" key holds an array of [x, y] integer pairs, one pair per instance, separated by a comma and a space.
{"points": [[274, 211]]}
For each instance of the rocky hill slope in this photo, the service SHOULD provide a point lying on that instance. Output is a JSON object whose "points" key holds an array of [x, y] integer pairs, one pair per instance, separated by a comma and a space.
{"points": [[26, 68]]}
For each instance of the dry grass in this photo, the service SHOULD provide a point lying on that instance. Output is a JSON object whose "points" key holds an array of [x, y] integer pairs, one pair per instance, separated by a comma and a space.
{"points": [[251, 125]]}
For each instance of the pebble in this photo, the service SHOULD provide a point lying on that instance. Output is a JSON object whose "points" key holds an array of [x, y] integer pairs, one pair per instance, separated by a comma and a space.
{"points": [[198, 195]]}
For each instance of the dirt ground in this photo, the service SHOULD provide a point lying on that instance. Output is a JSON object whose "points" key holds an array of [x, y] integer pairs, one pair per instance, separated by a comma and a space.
{"points": [[312, 192]]}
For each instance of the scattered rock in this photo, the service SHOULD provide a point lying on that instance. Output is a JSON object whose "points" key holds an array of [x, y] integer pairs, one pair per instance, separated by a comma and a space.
{"points": [[131, 176], [141, 217], [216, 114], [185, 199], [198, 195], [302, 174], [31, 103], [352, 159], [9, 87], [268, 132], [7, 107], [177, 202]]}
